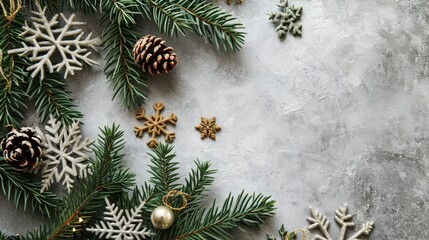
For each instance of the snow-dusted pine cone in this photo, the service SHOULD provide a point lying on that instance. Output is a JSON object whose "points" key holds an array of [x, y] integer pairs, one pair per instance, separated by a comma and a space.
{"points": [[22, 149], [152, 56]]}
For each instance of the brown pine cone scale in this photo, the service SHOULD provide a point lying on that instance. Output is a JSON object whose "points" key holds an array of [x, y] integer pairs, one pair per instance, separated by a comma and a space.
{"points": [[152, 56], [22, 148]]}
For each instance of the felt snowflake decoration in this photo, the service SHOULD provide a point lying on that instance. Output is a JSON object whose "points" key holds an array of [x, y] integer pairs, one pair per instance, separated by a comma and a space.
{"points": [[121, 224], [64, 153], [46, 39], [318, 220], [286, 19]]}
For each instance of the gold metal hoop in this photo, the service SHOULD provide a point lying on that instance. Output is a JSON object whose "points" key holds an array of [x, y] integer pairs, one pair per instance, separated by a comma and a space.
{"points": [[302, 230], [175, 193]]}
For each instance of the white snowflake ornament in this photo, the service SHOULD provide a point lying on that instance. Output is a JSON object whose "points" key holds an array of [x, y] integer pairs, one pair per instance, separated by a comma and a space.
{"points": [[64, 154], [46, 40], [318, 220], [121, 224]]}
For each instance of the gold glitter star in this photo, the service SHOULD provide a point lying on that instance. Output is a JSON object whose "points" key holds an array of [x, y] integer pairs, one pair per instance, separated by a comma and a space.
{"points": [[208, 128]]}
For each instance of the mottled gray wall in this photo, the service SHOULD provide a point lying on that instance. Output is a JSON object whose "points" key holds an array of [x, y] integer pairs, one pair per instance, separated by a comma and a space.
{"points": [[337, 116]]}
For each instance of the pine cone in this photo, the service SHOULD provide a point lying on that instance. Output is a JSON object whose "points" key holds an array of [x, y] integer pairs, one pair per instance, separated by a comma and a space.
{"points": [[22, 149], [153, 56]]}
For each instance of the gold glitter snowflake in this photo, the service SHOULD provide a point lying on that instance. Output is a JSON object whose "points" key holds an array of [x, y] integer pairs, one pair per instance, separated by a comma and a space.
{"points": [[208, 128], [155, 125]]}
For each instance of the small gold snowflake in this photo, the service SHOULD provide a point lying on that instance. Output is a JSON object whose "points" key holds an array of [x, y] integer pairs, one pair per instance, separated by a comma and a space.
{"points": [[208, 128], [155, 125]]}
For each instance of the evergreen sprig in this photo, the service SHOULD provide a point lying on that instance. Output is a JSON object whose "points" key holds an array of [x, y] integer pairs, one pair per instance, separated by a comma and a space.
{"points": [[17, 87], [163, 169], [284, 235], [210, 22], [3, 236], [119, 36], [199, 16], [13, 77], [118, 41], [52, 98], [108, 179], [197, 221], [24, 191]]}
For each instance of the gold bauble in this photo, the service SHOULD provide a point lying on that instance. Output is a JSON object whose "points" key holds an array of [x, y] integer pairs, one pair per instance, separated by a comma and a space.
{"points": [[162, 217]]}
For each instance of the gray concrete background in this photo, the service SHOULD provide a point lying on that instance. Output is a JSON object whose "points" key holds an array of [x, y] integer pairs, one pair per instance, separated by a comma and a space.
{"points": [[337, 116]]}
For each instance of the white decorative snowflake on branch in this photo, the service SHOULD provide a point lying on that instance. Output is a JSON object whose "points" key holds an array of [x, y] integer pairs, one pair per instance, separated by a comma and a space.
{"points": [[45, 40], [318, 220], [120, 226], [64, 154]]}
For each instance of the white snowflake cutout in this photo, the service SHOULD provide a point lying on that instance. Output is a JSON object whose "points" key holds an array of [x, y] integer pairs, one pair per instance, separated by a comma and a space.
{"points": [[318, 220], [121, 224], [64, 154], [45, 40]]}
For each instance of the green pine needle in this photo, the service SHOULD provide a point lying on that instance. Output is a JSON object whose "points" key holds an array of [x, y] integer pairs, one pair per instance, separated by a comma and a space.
{"points": [[108, 179], [13, 76], [217, 26], [24, 191], [163, 169], [52, 98], [169, 17], [118, 41], [196, 221], [3, 236]]}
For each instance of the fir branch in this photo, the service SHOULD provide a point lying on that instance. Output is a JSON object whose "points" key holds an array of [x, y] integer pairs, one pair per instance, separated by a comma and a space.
{"points": [[51, 98], [25, 191], [118, 42], [86, 6], [51, 5], [108, 179], [217, 26], [169, 17], [199, 179], [11, 105], [284, 235], [199, 16], [195, 221], [3, 236], [213, 223], [146, 193], [163, 169], [12, 73]]}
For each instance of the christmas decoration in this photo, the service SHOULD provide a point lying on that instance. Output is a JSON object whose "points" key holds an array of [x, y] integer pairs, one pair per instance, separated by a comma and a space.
{"points": [[173, 194], [22, 149], [64, 153], [152, 56], [17, 237], [155, 125], [287, 19], [118, 37], [208, 128], [173, 18], [121, 224], [24, 191], [45, 39], [109, 179], [285, 235], [162, 217], [318, 220]]}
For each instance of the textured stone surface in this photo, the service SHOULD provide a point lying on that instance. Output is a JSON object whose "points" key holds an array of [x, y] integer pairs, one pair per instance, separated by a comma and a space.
{"points": [[337, 116]]}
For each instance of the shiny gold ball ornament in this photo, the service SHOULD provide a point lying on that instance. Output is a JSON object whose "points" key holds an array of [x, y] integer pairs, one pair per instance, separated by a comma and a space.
{"points": [[162, 217]]}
